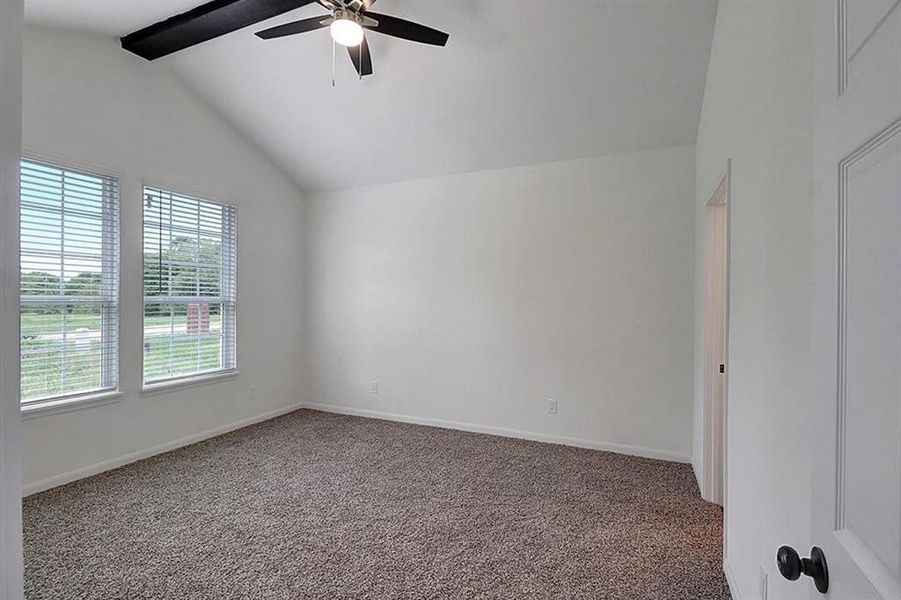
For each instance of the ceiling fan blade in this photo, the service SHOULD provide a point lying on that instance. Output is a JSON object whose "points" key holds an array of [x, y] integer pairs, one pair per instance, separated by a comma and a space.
{"points": [[408, 30], [355, 53], [207, 21], [367, 4], [295, 27]]}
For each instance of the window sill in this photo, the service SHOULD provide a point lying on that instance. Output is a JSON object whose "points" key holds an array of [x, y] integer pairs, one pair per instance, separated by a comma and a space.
{"points": [[64, 405], [152, 389]]}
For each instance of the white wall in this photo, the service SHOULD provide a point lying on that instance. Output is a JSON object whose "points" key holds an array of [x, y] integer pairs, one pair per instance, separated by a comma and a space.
{"points": [[10, 430], [473, 298], [88, 103], [757, 110]]}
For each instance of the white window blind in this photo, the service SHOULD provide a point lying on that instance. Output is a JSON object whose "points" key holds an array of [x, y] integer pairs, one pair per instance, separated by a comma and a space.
{"points": [[69, 260], [190, 272]]}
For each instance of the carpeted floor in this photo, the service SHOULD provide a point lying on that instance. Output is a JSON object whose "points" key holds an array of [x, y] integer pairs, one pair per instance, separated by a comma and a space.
{"points": [[316, 505]]}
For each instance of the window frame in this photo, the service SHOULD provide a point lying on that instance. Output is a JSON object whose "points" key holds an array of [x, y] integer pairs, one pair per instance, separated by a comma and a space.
{"points": [[111, 360], [161, 385]]}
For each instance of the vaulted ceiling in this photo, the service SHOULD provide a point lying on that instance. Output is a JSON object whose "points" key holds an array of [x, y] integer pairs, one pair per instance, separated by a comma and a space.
{"points": [[520, 82]]}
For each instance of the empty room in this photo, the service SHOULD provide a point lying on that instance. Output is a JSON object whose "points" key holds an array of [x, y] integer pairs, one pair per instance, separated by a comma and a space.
{"points": [[451, 299]]}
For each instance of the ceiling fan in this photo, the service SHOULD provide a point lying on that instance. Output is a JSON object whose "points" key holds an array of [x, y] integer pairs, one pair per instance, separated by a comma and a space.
{"points": [[347, 21]]}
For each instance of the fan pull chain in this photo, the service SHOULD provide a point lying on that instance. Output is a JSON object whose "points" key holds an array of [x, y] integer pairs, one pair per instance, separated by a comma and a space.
{"points": [[360, 50], [333, 63]]}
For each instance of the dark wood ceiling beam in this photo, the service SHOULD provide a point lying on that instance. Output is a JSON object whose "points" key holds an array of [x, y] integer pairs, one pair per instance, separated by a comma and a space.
{"points": [[203, 23]]}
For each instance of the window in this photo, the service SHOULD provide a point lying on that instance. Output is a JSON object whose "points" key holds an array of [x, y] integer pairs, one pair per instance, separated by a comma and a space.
{"points": [[190, 268], [69, 260]]}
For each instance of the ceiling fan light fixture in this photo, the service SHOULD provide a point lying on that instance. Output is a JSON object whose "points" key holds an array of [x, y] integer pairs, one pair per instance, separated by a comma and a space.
{"points": [[346, 29]]}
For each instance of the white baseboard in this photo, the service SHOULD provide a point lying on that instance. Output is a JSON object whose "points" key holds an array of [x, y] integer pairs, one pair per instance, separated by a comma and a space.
{"points": [[113, 463], [730, 579], [505, 432]]}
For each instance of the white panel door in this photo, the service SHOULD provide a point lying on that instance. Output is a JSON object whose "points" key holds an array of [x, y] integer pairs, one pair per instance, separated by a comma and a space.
{"points": [[856, 369]]}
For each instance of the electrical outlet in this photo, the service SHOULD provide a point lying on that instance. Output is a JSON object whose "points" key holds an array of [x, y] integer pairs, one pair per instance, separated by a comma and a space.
{"points": [[762, 583], [551, 406], [373, 387], [252, 392]]}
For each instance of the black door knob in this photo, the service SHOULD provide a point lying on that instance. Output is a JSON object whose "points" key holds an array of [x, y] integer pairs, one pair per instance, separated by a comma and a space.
{"points": [[793, 566]]}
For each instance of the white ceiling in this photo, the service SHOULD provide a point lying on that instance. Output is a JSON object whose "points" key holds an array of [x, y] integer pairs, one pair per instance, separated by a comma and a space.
{"points": [[520, 82]]}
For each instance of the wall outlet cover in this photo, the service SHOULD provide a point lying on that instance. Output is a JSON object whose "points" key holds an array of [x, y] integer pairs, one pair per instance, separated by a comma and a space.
{"points": [[373, 387], [552, 406]]}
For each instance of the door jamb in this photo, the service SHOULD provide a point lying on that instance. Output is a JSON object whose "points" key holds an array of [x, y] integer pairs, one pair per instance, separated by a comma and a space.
{"points": [[721, 195]]}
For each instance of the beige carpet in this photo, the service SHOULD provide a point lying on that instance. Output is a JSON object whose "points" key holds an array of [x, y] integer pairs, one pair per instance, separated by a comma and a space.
{"points": [[315, 505]]}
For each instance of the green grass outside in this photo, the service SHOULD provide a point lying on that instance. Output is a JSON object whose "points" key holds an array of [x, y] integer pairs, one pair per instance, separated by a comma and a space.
{"points": [[35, 324], [42, 360], [182, 357]]}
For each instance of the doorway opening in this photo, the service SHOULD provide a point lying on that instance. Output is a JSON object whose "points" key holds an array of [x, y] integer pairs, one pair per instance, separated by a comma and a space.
{"points": [[716, 340]]}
